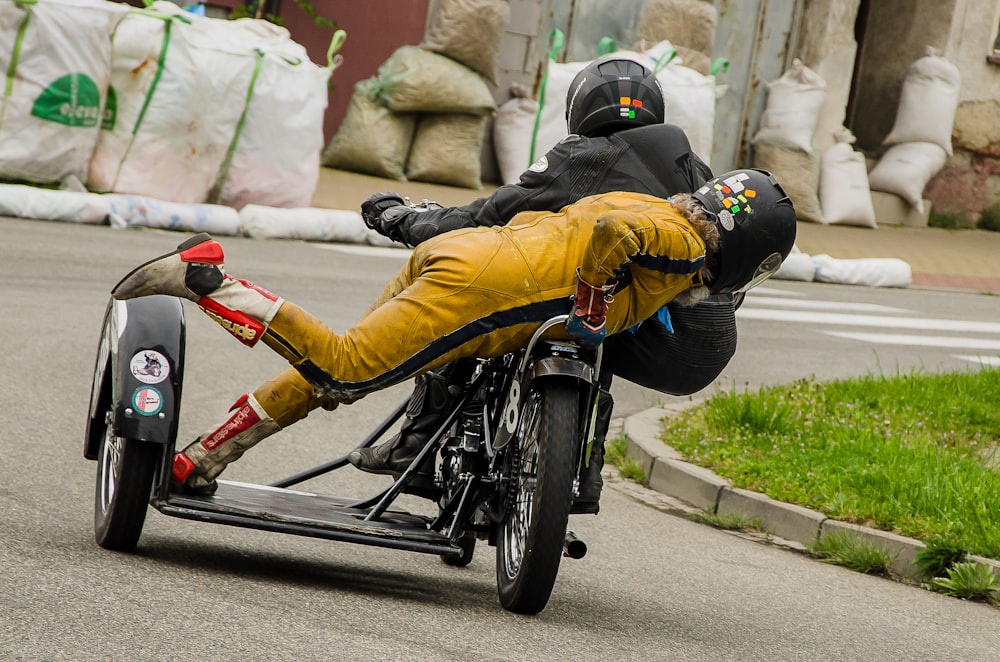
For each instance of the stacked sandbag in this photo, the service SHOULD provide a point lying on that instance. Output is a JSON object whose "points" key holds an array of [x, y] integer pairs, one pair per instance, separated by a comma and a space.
{"points": [[920, 140], [57, 57], [844, 195], [687, 24], [260, 138], [783, 143], [424, 116]]}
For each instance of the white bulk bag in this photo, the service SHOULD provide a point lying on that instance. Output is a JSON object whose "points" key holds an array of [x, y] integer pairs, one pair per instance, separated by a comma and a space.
{"points": [[844, 195], [927, 103], [792, 111], [58, 56], [274, 156], [181, 84], [512, 129], [688, 97]]}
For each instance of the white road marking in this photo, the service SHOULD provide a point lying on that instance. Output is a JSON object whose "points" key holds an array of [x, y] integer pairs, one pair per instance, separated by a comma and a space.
{"points": [[771, 291], [920, 341], [993, 361], [364, 249], [821, 304], [841, 319]]}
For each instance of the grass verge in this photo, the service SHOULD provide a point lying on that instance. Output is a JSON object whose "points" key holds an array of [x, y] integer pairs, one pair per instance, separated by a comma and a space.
{"points": [[913, 454]]}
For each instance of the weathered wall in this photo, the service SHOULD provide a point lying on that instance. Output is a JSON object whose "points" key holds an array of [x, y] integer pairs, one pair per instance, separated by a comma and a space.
{"points": [[826, 44], [896, 33]]}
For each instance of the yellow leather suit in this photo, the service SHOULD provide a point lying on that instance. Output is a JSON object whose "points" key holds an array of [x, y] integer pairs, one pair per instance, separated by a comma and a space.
{"points": [[483, 292]]}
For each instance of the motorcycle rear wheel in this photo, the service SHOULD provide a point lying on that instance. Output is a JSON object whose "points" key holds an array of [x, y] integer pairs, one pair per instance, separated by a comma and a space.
{"points": [[530, 540], [125, 472]]}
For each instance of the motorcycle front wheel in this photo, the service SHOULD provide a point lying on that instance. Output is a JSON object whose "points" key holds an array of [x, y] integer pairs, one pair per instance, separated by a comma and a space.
{"points": [[531, 536], [125, 472]]}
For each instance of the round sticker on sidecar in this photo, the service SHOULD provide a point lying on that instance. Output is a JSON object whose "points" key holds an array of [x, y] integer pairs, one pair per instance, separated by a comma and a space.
{"points": [[149, 366]]}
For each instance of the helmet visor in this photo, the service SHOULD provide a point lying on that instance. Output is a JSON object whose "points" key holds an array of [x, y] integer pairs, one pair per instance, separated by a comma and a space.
{"points": [[765, 270]]}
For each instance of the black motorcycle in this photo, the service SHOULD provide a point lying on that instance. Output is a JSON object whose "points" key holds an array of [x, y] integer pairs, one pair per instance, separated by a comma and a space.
{"points": [[507, 458]]}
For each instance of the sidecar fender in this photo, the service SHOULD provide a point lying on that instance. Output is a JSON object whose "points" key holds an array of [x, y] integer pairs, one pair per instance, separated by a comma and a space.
{"points": [[138, 373]]}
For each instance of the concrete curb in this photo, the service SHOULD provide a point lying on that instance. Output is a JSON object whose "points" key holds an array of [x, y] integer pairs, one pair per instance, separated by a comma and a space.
{"points": [[689, 488]]}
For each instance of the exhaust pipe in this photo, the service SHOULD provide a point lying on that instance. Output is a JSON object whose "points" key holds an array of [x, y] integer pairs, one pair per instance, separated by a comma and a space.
{"points": [[573, 547]]}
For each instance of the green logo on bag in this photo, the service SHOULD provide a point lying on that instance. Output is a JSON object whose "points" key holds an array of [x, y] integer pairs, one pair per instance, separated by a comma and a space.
{"points": [[110, 110], [73, 100]]}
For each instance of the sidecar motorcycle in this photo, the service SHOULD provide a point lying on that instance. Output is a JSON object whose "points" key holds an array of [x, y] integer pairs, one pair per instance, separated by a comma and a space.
{"points": [[507, 458]]}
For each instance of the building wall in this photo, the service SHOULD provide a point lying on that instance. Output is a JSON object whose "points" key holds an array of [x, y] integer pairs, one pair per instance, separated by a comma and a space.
{"points": [[970, 181], [375, 29]]}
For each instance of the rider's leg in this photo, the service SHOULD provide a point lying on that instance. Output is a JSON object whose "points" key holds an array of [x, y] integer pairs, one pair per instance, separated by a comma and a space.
{"points": [[432, 399], [276, 404], [194, 272], [591, 482]]}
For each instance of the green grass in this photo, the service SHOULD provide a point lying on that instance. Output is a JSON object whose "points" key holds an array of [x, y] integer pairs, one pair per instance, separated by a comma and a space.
{"points": [[614, 454], [972, 581], [909, 454], [852, 552]]}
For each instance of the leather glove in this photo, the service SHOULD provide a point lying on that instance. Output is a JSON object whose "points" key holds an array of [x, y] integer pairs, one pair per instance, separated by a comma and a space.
{"points": [[375, 205], [587, 323]]}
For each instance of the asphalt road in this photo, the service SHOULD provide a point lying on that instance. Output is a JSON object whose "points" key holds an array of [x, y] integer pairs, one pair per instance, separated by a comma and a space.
{"points": [[653, 586]]}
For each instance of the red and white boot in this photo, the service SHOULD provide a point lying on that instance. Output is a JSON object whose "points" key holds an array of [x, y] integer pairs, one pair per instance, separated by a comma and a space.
{"points": [[196, 467], [194, 272]]}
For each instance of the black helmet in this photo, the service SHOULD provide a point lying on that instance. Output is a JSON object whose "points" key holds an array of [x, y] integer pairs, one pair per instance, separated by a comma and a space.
{"points": [[611, 94], [756, 224]]}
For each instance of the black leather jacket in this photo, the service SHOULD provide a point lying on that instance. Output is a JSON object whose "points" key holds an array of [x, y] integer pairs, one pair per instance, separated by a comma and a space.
{"points": [[656, 160]]}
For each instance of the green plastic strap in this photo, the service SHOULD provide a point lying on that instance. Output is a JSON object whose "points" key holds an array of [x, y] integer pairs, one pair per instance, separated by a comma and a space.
{"points": [[339, 37], [160, 63], [152, 13], [606, 45], [220, 177], [15, 57], [664, 60], [556, 40], [721, 65]]}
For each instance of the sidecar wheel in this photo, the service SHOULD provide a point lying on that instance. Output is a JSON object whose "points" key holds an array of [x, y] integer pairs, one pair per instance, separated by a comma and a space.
{"points": [[125, 471], [530, 540]]}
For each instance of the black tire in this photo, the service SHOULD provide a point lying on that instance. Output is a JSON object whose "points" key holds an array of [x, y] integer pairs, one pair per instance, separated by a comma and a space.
{"points": [[530, 540], [125, 472]]}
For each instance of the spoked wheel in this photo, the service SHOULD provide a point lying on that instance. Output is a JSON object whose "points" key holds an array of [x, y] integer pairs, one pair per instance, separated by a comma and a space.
{"points": [[530, 541], [125, 471]]}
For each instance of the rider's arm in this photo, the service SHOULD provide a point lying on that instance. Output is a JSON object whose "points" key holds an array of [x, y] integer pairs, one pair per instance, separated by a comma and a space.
{"points": [[661, 242], [537, 190]]}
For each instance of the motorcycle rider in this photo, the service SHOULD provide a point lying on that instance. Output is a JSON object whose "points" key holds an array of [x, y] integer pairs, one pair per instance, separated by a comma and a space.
{"points": [[618, 142], [476, 293]]}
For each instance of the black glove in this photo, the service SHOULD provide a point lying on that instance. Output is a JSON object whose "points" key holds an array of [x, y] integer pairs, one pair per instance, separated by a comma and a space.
{"points": [[372, 208]]}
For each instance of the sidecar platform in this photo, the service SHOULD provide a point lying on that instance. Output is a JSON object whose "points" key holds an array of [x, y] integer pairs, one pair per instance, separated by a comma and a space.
{"points": [[308, 514]]}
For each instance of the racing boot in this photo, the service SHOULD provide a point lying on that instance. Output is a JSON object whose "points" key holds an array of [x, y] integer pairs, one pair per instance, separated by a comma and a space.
{"points": [[430, 404], [196, 467], [194, 272], [591, 483]]}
